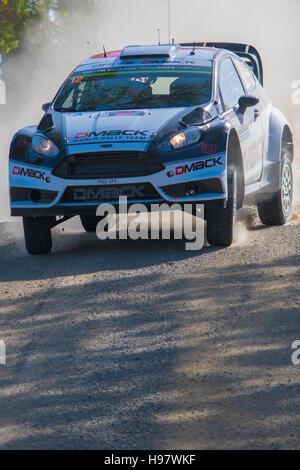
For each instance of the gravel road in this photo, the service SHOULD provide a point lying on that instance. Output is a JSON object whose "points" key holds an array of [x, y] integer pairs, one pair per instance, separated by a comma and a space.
{"points": [[143, 345]]}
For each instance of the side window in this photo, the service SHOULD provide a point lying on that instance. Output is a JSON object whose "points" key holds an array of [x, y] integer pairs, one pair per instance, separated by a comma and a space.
{"points": [[220, 101], [246, 74], [230, 84], [74, 97]]}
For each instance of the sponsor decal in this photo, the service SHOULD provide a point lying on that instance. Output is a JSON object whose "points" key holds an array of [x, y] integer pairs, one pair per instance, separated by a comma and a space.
{"points": [[30, 173], [112, 134], [164, 61], [157, 61], [209, 149], [121, 113], [74, 114], [107, 181], [77, 79], [107, 193], [23, 143], [196, 166], [170, 68]]}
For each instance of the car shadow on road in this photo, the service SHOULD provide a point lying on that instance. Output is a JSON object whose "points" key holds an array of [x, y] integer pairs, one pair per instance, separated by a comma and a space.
{"points": [[201, 360], [80, 253], [85, 364], [237, 387]]}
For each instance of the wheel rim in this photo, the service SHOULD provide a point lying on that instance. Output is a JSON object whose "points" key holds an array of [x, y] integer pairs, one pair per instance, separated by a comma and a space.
{"points": [[235, 199], [286, 189]]}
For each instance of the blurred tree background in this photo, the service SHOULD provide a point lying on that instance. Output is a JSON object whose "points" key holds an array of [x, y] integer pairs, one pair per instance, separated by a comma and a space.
{"points": [[44, 19], [40, 43], [15, 15]]}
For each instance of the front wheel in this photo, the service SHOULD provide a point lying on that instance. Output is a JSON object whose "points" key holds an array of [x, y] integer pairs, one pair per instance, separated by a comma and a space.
{"points": [[275, 209], [37, 233], [221, 222]]}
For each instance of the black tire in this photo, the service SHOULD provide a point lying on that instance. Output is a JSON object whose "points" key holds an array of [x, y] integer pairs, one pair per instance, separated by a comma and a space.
{"points": [[275, 208], [221, 222], [90, 222], [37, 233]]}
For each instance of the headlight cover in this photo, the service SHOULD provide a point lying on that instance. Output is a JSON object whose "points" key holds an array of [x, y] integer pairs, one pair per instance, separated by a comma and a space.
{"points": [[44, 146], [181, 139]]}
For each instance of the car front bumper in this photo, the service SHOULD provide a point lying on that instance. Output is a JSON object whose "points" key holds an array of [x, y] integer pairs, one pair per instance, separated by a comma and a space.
{"points": [[35, 191]]}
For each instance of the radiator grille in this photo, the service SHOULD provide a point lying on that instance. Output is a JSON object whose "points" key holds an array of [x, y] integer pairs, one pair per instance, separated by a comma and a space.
{"points": [[108, 165]]}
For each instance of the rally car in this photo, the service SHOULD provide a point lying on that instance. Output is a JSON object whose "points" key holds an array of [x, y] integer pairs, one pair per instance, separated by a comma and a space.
{"points": [[189, 123]]}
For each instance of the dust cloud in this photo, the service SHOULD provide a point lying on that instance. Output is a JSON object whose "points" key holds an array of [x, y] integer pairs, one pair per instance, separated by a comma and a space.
{"points": [[271, 26]]}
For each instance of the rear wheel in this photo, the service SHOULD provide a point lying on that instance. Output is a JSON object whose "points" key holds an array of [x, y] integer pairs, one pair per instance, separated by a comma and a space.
{"points": [[221, 222], [37, 233], [275, 209], [90, 222]]}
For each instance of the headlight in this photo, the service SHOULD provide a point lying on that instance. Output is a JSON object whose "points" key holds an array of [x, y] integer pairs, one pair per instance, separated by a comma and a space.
{"points": [[182, 139], [44, 146]]}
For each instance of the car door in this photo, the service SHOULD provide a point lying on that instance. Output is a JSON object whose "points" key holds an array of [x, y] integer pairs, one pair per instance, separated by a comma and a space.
{"points": [[259, 114], [248, 124]]}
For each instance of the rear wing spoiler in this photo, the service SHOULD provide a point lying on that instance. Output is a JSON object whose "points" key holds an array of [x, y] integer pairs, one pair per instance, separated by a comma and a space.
{"points": [[248, 53]]}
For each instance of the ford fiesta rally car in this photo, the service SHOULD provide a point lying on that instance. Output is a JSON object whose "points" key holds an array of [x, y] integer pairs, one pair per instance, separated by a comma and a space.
{"points": [[187, 123]]}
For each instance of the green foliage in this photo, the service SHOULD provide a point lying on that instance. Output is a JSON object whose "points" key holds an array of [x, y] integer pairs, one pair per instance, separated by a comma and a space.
{"points": [[17, 15], [14, 16]]}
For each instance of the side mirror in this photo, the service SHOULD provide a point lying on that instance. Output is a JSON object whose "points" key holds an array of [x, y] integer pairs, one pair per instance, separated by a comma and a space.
{"points": [[246, 101], [46, 106]]}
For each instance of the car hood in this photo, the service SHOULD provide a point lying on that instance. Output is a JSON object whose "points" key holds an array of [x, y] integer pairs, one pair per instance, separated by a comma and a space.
{"points": [[115, 126]]}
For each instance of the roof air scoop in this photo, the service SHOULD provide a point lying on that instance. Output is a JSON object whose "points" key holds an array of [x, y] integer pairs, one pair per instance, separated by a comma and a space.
{"points": [[139, 52]]}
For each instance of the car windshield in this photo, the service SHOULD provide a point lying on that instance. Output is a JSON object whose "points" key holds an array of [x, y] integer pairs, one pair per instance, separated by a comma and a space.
{"points": [[135, 90]]}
